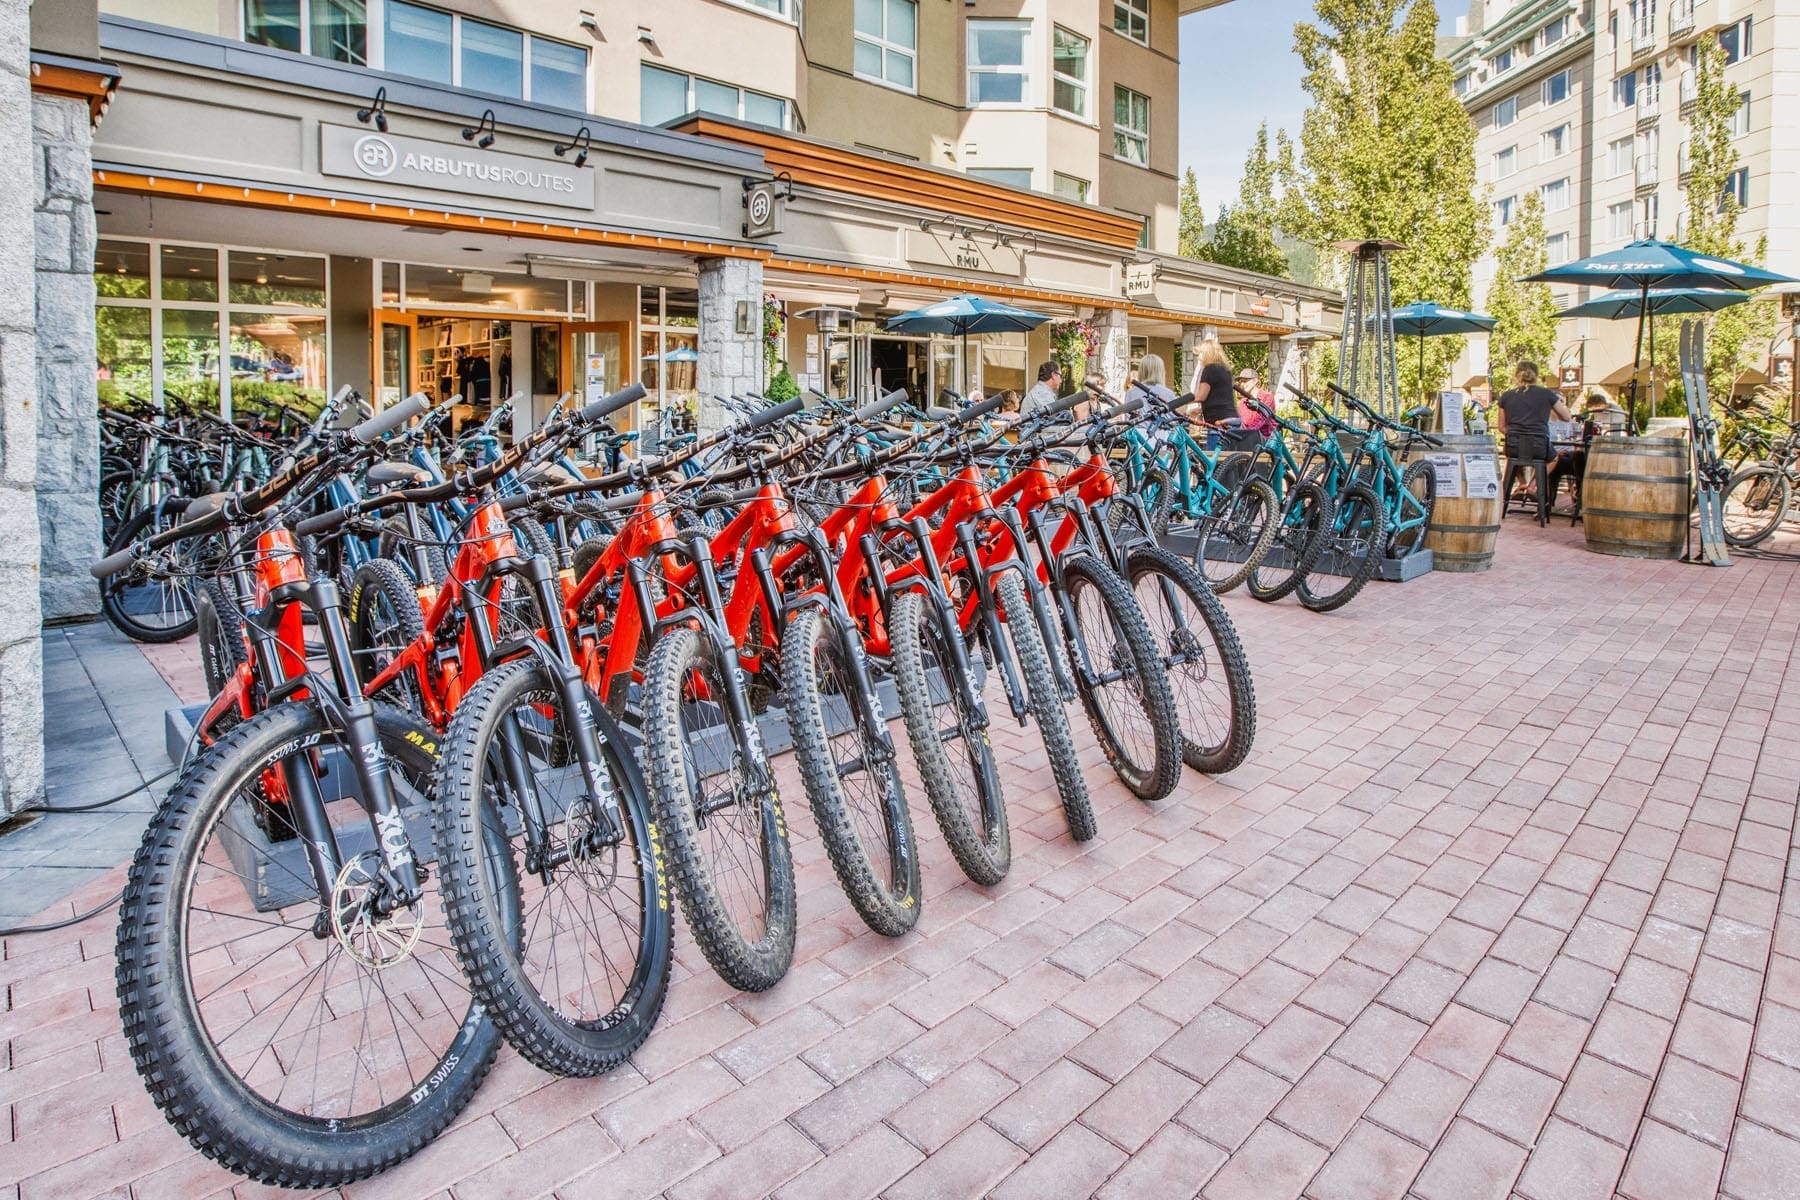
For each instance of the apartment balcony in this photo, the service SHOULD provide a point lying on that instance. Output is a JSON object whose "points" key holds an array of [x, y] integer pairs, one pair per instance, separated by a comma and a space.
{"points": [[1681, 18], [1689, 90], [1646, 171], [1649, 105], [1643, 41]]}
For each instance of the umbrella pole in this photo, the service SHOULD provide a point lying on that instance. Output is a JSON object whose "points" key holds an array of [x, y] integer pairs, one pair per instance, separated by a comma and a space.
{"points": [[1422, 368], [1637, 353]]}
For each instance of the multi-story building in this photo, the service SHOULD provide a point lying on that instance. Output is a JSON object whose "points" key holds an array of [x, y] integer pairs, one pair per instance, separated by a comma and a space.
{"points": [[487, 198], [1586, 102]]}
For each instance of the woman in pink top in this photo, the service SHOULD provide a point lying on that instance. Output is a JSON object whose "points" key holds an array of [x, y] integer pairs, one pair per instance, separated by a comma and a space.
{"points": [[1248, 380]]}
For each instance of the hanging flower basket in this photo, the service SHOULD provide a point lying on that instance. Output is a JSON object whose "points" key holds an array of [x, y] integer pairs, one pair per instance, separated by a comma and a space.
{"points": [[1073, 344]]}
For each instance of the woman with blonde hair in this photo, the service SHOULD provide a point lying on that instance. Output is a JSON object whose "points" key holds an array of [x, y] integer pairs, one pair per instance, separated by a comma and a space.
{"points": [[1212, 389], [1153, 378]]}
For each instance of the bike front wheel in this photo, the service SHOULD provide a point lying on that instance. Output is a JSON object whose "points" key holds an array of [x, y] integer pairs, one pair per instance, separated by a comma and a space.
{"points": [[717, 805], [157, 607], [561, 922], [299, 1039], [1299, 541], [1352, 552], [851, 775], [1756, 503], [1046, 703], [1234, 540]]}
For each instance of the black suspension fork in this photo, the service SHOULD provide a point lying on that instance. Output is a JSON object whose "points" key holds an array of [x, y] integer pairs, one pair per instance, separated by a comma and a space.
{"points": [[1040, 603], [989, 607], [837, 614], [417, 551], [959, 669], [1056, 584], [710, 619]]}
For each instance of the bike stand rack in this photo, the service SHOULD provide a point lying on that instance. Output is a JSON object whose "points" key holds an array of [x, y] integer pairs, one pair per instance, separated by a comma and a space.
{"points": [[1392, 570]]}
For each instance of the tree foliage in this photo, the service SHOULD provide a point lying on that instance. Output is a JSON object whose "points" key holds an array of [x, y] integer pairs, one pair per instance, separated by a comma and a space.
{"points": [[1244, 235], [1524, 313], [1190, 218], [1386, 150]]}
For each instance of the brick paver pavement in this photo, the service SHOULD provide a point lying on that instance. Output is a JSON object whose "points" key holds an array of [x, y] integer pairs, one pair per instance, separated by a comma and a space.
{"points": [[1506, 900]]}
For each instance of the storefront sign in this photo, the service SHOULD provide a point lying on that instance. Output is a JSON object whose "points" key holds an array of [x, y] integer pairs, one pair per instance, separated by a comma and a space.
{"points": [[1140, 278], [933, 248], [1571, 377], [1265, 308], [762, 210], [356, 152]]}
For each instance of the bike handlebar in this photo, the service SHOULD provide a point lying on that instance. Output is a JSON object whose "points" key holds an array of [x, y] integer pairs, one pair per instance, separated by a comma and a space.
{"points": [[867, 413], [604, 407], [389, 419]]}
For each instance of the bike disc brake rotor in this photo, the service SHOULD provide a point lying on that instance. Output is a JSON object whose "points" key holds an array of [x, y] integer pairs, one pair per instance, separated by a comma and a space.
{"points": [[376, 940]]}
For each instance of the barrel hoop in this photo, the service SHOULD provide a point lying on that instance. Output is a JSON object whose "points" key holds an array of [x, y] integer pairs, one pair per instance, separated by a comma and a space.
{"points": [[1677, 518], [1681, 479], [1494, 528], [1636, 543], [1670, 448]]}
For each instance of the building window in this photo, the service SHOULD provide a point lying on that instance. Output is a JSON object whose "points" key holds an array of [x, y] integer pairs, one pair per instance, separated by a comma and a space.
{"points": [[492, 59], [1556, 88], [1554, 143], [1502, 62], [1618, 222], [1624, 92], [1013, 177], [333, 29], [1069, 73], [1649, 88], [1735, 41], [1556, 195], [1131, 18], [1556, 248], [1740, 120], [1737, 188], [210, 327], [887, 41], [1131, 126], [1503, 210], [1649, 215], [998, 52], [1619, 157], [1506, 112], [785, 9], [558, 74], [1506, 162], [1462, 84], [1553, 33], [416, 41], [1069, 187], [666, 95]]}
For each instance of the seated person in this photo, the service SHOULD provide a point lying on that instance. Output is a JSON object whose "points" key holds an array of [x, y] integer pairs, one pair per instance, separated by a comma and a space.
{"points": [[1525, 414], [1252, 383], [1599, 415]]}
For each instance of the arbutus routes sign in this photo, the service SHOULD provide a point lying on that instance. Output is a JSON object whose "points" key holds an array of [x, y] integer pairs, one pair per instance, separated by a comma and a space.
{"points": [[361, 153]]}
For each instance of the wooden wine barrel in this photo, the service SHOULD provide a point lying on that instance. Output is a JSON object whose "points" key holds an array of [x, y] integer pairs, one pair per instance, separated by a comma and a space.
{"points": [[1464, 528], [1634, 496]]}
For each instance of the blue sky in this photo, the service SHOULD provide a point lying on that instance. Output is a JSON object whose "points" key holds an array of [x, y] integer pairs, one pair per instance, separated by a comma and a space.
{"points": [[1238, 70]]}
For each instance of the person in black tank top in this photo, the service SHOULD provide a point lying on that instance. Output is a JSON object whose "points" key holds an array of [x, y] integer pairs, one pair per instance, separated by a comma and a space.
{"points": [[1525, 414]]}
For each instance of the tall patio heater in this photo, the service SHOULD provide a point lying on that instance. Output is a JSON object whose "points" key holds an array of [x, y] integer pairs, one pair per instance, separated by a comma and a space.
{"points": [[1367, 367]]}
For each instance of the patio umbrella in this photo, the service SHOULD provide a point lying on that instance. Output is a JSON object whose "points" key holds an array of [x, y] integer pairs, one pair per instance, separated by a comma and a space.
{"points": [[1664, 302], [1647, 265], [680, 354], [963, 315], [1428, 318]]}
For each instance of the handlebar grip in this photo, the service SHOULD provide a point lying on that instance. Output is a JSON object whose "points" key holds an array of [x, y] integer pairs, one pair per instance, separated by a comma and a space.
{"points": [[113, 563], [1123, 410], [985, 408], [389, 419], [870, 412], [324, 522], [203, 508], [604, 407], [780, 412]]}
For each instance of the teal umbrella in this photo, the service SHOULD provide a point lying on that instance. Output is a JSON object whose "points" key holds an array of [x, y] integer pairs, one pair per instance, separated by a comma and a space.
{"points": [[1428, 318], [963, 315], [1664, 302]]}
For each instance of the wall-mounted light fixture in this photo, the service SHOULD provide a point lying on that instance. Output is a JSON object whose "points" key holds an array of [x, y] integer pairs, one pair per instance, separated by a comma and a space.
{"points": [[377, 110], [582, 143], [483, 133], [746, 316]]}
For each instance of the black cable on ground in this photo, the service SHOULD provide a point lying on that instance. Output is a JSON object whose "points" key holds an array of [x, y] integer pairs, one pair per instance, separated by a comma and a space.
{"points": [[99, 804], [64, 924]]}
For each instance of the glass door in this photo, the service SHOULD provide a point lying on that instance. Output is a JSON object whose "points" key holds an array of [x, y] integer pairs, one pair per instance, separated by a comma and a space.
{"points": [[393, 366], [594, 353]]}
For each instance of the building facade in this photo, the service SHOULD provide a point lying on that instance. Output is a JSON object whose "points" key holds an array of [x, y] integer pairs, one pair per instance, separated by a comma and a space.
{"points": [[1586, 102], [484, 199]]}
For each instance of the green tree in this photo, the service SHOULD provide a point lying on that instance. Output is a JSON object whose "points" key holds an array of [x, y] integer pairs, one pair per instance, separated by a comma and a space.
{"points": [[1734, 336], [1386, 150], [1244, 235], [1190, 218], [1524, 313]]}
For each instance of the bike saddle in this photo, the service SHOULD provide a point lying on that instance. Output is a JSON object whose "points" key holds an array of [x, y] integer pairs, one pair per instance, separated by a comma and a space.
{"points": [[397, 474]]}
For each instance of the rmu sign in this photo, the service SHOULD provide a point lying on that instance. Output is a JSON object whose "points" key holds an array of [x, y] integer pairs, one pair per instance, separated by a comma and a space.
{"points": [[361, 153], [939, 249]]}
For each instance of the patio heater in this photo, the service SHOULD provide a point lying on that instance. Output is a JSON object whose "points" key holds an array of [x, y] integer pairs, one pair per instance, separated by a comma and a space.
{"points": [[1366, 352], [828, 320]]}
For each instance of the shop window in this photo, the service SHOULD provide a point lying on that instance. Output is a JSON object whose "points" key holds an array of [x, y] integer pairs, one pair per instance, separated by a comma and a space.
{"points": [[190, 273], [257, 278], [668, 360], [1003, 365], [1131, 125], [1069, 73], [462, 287], [666, 95], [1069, 187], [558, 74], [1013, 177], [276, 356], [123, 353], [887, 42], [333, 29], [493, 59], [1131, 18], [417, 41], [190, 356], [122, 269], [998, 54]]}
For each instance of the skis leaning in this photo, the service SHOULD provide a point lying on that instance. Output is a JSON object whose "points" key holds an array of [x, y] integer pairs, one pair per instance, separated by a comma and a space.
{"points": [[1711, 475]]}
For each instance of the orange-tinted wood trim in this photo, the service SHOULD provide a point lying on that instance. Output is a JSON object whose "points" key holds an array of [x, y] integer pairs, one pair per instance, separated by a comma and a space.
{"points": [[95, 87], [409, 214], [1163, 314], [913, 279], [846, 170]]}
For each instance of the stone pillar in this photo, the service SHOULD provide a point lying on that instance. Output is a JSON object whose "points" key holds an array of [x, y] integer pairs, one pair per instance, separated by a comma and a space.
{"points": [[21, 660], [1191, 337], [1114, 325], [68, 427], [1280, 350], [730, 362]]}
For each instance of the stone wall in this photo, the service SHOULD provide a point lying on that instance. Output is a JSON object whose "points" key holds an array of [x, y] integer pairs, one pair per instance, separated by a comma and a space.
{"points": [[1114, 325], [67, 426], [21, 662], [730, 362]]}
